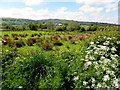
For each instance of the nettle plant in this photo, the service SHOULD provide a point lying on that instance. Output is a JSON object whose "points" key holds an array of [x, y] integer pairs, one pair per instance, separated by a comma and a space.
{"points": [[101, 64]]}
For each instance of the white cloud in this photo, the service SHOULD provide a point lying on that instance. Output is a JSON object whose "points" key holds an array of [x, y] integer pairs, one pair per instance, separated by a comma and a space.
{"points": [[95, 1], [26, 2], [33, 2], [90, 9], [12, 0], [60, 13], [62, 9], [111, 7]]}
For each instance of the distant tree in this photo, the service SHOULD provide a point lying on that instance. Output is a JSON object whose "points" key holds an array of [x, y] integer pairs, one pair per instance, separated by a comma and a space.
{"points": [[33, 27], [50, 26], [93, 27], [60, 28], [82, 29], [72, 25], [4, 23], [11, 27]]}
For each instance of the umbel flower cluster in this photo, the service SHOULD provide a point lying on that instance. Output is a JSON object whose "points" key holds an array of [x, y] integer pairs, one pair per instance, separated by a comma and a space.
{"points": [[101, 64]]}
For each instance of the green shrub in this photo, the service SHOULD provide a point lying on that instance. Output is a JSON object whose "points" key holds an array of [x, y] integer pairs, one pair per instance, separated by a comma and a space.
{"points": [[30, 72], [60, 28]]}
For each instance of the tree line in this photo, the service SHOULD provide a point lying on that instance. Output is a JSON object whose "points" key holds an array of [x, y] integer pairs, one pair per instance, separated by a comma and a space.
{"points": [[71, 26]]}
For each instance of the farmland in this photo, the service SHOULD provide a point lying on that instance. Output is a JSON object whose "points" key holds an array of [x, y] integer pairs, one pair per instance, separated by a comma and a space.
{"points": [[67, 56]]}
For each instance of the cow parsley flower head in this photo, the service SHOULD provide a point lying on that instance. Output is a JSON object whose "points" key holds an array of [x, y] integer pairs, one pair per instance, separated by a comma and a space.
{"points": [[102, 57], [88, 63], [91, 43], [99, 85], [106, 77], [109, 38], [85, 83], [76, 78], [106, 43], [118, 42], [93, 80], [20, 87], [116, 83], [113, 49]]}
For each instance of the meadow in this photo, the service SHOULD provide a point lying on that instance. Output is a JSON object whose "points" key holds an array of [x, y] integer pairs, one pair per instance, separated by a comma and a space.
{"points": [[61, 59]]}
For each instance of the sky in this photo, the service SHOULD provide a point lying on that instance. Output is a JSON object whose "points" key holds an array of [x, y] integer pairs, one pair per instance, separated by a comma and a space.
{"points": [[79, 10]]}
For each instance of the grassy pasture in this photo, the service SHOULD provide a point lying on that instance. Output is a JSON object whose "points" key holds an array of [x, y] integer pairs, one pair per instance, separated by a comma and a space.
{"points": [[61, 59]]}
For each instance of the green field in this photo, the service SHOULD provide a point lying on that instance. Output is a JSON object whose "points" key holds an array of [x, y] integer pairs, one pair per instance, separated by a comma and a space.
{"points": [[85, 58]]}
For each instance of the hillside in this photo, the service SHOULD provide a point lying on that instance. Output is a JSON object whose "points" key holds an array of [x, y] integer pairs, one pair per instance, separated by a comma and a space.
{"points": [[15, 21]]}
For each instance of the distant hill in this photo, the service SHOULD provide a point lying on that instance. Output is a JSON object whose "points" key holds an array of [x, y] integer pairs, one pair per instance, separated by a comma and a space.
{"points": [[15, 21]]}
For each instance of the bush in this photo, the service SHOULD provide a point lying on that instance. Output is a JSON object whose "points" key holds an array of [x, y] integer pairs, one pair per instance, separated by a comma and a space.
{"points": [[82, 29], [100, 63], [93, 28], [37, 71], [60, 28]]}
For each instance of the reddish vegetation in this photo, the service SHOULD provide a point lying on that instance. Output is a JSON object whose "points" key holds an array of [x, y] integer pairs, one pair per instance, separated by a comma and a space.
{"points": [[6, 40], [15, 38], [47, 46], [23, 35], [6, 35]]}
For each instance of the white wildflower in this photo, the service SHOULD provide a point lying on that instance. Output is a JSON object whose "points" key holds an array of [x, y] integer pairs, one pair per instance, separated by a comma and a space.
{"points": [[105, 68], [6, 50], [98, 73], [109, 38], [86, 60], [93, 84], [102, 53], [20, 87], [114, 56], [113, 49], [97, 42], [106, 77], [116, 83], [94, 48], [106, 43], [110, 72], [75, 72], [95, 52], [92, 58], [88, 52], [113, 65], [102, 57], [96, 63], [88, 87], [100, 61], [91, 43], [104, 48], [88, 63], [76, 78], [96, 66], [88, 47], [85, 83], [99, 45], [118, 42], [31, 57], [86, 56], [104, 37], [106, 55], [106, 61], [99, 85], [17, 57], [93, 80]]}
